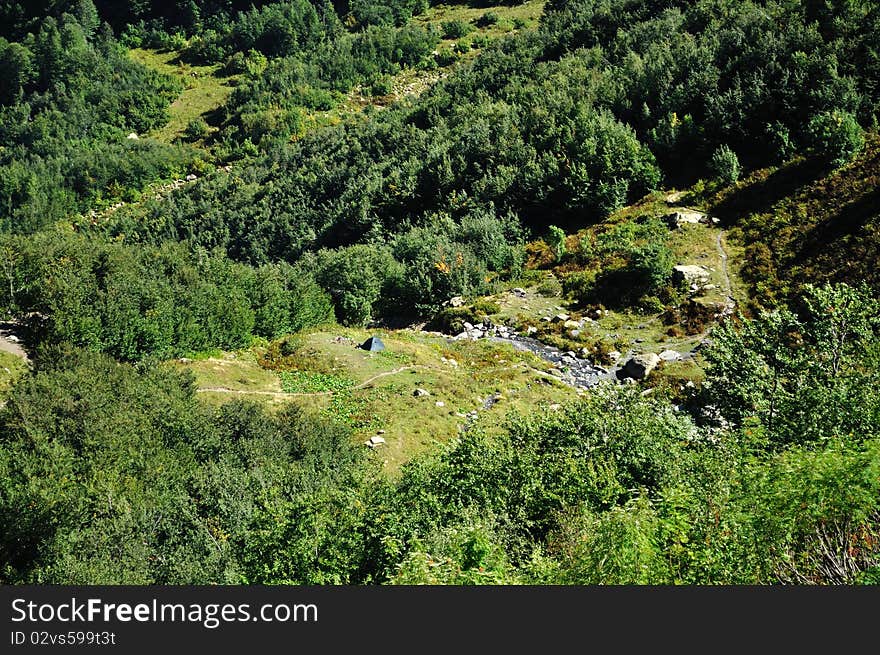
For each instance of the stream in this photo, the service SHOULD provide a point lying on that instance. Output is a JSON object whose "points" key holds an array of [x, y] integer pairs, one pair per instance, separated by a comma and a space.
{"points": [[567, 366]]}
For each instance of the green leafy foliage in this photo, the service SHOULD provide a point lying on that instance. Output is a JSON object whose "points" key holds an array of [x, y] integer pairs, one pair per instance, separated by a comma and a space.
{"points": [[145, 485], [836, 136], [309, 382], [135, 303], [622, 264], [725, 165], [769, 367]]}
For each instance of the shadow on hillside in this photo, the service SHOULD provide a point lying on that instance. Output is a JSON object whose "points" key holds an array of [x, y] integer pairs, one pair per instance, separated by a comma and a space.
{"points": [[845, 223], [760, 196]]}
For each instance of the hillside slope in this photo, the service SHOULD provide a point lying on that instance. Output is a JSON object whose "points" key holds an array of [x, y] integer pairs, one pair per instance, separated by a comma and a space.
{"points": [[802, 223]]}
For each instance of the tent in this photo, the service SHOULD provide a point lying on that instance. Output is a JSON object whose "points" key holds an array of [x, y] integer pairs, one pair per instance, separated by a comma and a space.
{"points": [[373, 344]]}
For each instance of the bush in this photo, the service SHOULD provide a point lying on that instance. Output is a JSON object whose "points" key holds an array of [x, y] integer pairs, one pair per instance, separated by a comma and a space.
{"points": [[452, 319], [488, 19], [550, 287], [556, 240], [480, 41], [486, 307], [579, 286], [724, 165], [455, 29], [446, 57], [196, 129], [835, 136], [382, 86]]}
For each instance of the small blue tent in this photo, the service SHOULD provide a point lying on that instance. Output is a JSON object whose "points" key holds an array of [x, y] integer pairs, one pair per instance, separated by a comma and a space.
{"points": [[373, 344]]}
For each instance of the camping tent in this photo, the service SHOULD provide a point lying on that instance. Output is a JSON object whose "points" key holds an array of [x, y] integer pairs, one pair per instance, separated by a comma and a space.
{"points": [[373, 344]]}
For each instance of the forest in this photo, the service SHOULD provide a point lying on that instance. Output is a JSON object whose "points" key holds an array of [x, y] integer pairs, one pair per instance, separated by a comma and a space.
{"points": [[406, 164]]}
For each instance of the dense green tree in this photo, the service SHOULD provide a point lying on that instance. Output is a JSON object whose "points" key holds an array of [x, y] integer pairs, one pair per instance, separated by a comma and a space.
{"points": [[771, 367]]}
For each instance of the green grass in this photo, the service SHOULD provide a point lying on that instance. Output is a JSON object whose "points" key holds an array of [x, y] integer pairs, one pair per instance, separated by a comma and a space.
{"points": [[375, 391], [205, 92], [236, 371]]}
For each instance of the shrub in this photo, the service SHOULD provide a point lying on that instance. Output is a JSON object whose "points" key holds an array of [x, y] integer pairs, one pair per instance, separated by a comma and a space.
{"points": [[579, 285], [556, 240], [452, 319], [550, 287], [446, 57], [485, 307], [382, 86], [196, 129], [724, 165], [835, 136], [488, 19], [480, 41], [455, 29]]}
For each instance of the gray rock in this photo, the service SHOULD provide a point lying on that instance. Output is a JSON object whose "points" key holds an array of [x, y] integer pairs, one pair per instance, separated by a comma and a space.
{"points": [[456, 301], [690, 275], [560, 318], [420, 393], [640, 366], [670, 355], [684, 217], [468, 326]]}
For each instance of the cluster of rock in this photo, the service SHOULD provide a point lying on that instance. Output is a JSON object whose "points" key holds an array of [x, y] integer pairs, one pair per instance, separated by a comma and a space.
{"points": [[694, 276], [684, 216], [484, 330], [575, 368]]}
